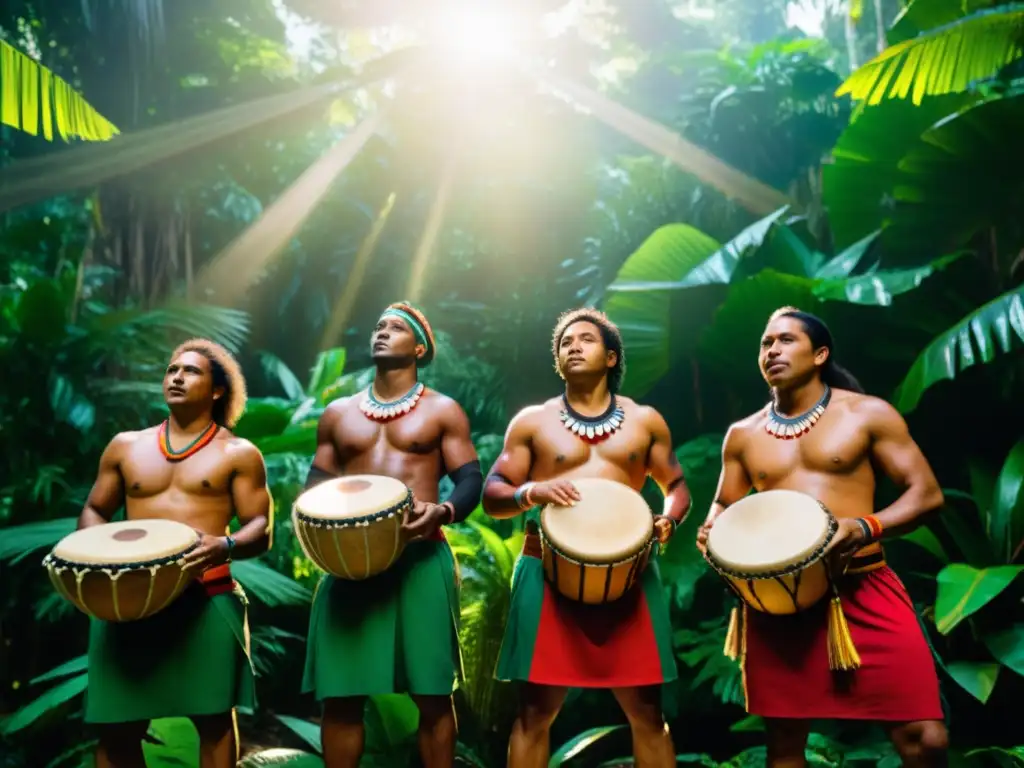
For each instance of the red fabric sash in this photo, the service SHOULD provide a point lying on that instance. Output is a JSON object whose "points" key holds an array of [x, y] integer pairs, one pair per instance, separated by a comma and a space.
{"points": [[217, 580]]}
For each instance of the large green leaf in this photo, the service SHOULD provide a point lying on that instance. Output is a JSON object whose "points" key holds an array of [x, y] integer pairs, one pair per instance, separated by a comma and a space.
{"points": [[326, 371], [21, 541], [279, 757], [264, 417], [1007, 646], [268, 586], [1006, 517], [844, 264], [947, 59], [673, 253], [577, 744], [48, 702], [305, 730], [964, 590], [993, 329], [77, 664], [977, 678], [879, 288], [858, 184], [175, 744], [922, 15]]}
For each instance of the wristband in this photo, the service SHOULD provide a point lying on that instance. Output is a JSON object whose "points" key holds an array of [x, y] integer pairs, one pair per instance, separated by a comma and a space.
{"points": [[231, 543], [522, 496], [871, 526], [451, 509]]}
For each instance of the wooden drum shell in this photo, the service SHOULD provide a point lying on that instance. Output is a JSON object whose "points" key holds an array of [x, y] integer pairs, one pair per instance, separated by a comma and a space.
{"points": [[592, 583], [782, 594], [354, 549]]}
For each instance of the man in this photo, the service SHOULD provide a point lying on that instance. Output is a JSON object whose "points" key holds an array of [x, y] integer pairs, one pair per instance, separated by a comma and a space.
{"points": [[191, 659], [395, 632], [832, 458], [552, 643]]}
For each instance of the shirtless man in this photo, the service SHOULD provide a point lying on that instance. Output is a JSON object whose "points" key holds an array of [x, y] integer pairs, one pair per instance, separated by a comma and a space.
{"points": [[552, 643], [786, 665], [396, 632], [191, 659]]}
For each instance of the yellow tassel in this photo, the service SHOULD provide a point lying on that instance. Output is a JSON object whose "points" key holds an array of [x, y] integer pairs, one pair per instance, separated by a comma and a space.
{"points": [[733, 635], [842, 653]]}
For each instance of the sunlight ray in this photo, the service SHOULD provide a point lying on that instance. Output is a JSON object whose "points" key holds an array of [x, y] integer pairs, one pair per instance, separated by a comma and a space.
{"points": [[433, 226], [756, 196], [354, 280], [230, 273]]}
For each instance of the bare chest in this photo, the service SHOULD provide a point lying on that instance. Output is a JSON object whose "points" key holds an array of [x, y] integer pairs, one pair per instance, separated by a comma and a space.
{"points": [[414, 434], [147, 473], [557, 450], [835, 446]]}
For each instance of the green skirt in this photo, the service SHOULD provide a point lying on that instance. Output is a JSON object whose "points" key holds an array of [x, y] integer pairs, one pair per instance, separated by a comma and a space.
{"points": [[396, 632], [190, 659]]}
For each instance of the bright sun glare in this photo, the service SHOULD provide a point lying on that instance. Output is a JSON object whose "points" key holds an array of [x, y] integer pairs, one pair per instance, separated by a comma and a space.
{"points": [[476, 34]]}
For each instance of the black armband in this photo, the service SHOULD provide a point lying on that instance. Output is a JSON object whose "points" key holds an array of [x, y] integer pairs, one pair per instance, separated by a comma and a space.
{"points": [[469, 486], [316, 476]]}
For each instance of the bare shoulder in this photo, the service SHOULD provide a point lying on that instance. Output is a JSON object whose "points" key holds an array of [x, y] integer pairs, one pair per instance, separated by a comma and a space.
{"points": [[647, 415], [739, 432], [124, 440], [445, 407], [525, 423], [338, 407], [243, 454], [879, 416]]}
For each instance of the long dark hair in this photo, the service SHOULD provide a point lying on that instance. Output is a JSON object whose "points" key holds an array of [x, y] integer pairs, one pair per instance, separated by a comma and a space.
{"points": [[832, 373]]}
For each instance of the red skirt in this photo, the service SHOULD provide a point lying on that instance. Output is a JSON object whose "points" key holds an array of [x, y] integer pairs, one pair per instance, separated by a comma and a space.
{"points": [[786, 671]]}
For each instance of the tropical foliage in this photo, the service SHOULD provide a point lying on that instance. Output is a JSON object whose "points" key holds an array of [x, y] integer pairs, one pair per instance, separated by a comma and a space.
{"points": [[903, 232]]}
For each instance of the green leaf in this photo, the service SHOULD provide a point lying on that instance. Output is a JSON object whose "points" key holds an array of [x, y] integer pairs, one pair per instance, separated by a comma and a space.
{"points": [[326, 371], [922, 15], [268, 586], [305, 730], [48, 702], [20, 541], [1006, 517], [69, 405], [977, 678], [964, 590], [879, 288], [177, 747], [943, 60], [275, 368], [398, 716], [673, 253], [41, 311], [926, 539], [297, 438], [846, 262], [77, 664], [264, 417], [1007, 646], [993, 329], [574, 746], [279, 757]]}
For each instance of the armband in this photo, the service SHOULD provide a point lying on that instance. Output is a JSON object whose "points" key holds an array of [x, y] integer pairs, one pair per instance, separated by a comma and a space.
{"points": [[469, 486], [522, 496], [871, 526]]}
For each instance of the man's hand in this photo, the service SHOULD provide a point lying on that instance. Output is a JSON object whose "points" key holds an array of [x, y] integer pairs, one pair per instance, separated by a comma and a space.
{"points": [[212, 551], [561, 492], [848, 539], [664, 527], [702, 535], [424, 519]]}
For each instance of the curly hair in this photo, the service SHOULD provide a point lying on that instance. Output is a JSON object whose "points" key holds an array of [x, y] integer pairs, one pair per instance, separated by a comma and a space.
{"points": [[226, 373], [610, 335]]}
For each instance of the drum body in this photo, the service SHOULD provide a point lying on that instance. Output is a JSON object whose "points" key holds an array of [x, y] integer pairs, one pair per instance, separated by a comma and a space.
{"points": [[594, 552], [122, 571], [769, 547], [351, 526]]}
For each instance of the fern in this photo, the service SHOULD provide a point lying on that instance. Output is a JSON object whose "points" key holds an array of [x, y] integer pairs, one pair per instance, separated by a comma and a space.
{"points": [[947, 59], [26, 87]]}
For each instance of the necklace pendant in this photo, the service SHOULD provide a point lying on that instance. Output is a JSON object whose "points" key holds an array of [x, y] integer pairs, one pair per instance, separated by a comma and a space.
{"points": [[383, 411], [792, 428], [592, 430]]}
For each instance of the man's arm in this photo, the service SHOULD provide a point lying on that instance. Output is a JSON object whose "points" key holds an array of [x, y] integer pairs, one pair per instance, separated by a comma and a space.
{"points": [[325, 461], [462, 463], [512, 468], [733, 482], [251, 500], [896, 453], [664, 469], [107, 493]]}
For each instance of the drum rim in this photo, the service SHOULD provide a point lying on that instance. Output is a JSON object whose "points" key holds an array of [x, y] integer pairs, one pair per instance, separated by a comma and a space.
{"points": [[546, 542], [62, 562], [351, 522], [814, 556]]}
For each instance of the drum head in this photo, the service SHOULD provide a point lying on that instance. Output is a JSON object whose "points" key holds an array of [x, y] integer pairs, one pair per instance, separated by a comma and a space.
{"points": [[126, 542], [609, 523], [351, 497], [768, 531]]}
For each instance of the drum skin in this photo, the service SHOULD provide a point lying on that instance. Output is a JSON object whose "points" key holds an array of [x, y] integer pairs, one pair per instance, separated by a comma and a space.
{"points": [[351, 526], [595, 551], [124, 571], [770, 550]]}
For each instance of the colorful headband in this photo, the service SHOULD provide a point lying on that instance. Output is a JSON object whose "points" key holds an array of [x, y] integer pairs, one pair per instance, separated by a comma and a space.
{"points": [[420, 329]]}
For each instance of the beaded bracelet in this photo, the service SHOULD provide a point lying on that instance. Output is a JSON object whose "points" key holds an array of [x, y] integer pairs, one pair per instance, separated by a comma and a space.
{"points": [[522, 495], [230, 542]]}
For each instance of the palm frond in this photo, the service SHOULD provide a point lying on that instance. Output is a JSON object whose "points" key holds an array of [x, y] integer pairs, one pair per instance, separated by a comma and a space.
{"points": [[946, 59], [26, 87], [20, 541]]}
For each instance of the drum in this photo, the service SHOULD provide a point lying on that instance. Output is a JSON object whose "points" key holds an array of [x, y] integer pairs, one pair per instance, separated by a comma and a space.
{"points": [[769, 548], [351, 526], [122, 571], [594, 551]]}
